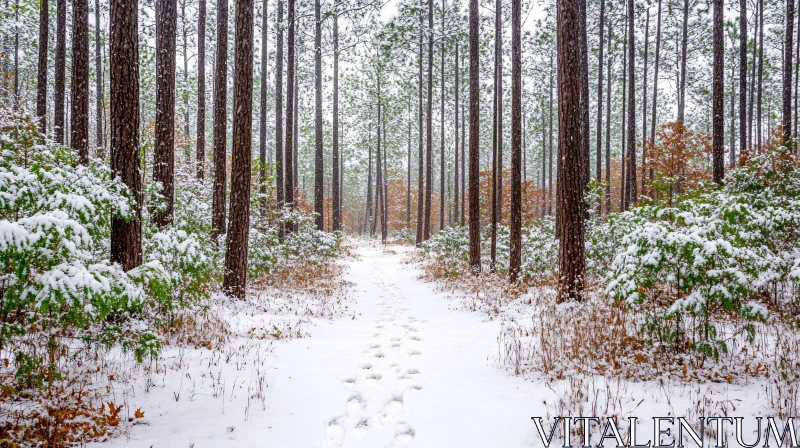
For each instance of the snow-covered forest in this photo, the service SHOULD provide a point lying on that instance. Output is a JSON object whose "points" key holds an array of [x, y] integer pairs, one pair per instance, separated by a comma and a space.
{"points": [[398, 223]]}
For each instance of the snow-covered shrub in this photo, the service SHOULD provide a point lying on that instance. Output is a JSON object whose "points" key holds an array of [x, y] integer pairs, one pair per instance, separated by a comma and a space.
{"points": [[55, 277], [176, 272], [264, 251], [539, 250], [451, 248], [311, 245], [605, 236], [716, 253], [404, 235]]}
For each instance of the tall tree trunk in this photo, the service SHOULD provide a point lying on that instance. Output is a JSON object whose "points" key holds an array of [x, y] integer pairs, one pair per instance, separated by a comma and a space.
{"points": [[61, 71], [99, 80], [684, 45], [497, 131], [408, 175], [164, 152], [262, 126], [337, 204], [279, 158], [718, 122], [384, 186], [235, 281], [644, 97], [296, 134], [742, 81], [126, 234], [220, 121], [786, 91], [760, 71], [499, 64], [752, 94], [516, 142], [631, 190], [17, 101], [463, 158], [290, 106], [441, 129], [429, 129], [550, 144], [455, 135], [543, 210], [319, 176], [598, 133], [655, 85], [474, 140], [608, 124], [41, 79], [378, 177], [584, 80], [369, 221], [571, 223], [796, 84], [420, 162], [80, 80], [624, 150], [185, 86], [200, 155]]}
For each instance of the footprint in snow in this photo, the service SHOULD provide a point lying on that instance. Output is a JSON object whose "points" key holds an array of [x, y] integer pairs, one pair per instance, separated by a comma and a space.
{"points": [[374, 376], [403, 435], [334, 434], [355, 403]]}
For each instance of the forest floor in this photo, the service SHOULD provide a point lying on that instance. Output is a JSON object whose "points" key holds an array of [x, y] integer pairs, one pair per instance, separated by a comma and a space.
{"points": [[404, 364], [405, 368]]}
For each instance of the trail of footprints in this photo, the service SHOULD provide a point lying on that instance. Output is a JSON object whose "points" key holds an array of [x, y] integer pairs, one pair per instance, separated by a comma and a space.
{"points": [[386, 376]]}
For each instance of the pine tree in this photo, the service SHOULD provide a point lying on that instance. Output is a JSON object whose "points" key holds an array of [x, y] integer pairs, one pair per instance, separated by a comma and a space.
{"points": [[41, 79], [235, 281], [289, 178], [61, 71], [80, 80], [336, 181], [319, 167], [630, 170], [516, 142], [474, 140], [200, 155], [421, 161], [718, 112], [742, 80], [220, 121], [279, 161], [164, 151], [99, 80], [429, 130], [262, 128], [570, 231], [126, 234], [786, 97]]}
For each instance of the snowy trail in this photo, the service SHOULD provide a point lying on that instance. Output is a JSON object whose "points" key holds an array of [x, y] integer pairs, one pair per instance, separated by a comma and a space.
{"points": [[407, 371], [410, 371]]}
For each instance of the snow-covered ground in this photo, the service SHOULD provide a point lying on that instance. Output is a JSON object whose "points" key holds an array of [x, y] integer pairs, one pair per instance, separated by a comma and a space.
{"points": [[407, 370], [406, 367]]}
